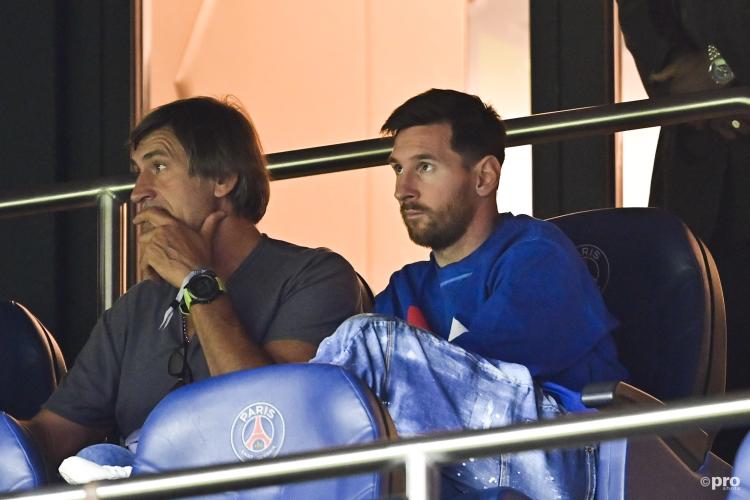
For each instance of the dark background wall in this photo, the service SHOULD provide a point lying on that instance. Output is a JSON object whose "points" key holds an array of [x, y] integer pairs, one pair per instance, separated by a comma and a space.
{"points": [[572, 66], [65, 107]]}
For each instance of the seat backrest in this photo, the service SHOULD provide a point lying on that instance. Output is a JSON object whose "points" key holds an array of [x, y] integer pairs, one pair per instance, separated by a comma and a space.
{"points": [[31, 363], [21, 466], [661, 283], [367, 297], [262, 413]]}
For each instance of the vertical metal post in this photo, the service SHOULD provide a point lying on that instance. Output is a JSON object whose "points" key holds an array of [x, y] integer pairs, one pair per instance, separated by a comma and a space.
{"points": [[127, 248], [130, 256], [108, 249], [421, 477]]}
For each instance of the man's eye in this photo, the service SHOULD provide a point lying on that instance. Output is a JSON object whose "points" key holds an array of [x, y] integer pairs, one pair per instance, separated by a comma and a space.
{"points": [[397, 168], [158, 167], [425, 167]]}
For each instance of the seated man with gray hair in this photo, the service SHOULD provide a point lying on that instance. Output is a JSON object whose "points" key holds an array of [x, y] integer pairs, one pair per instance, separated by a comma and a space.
{"points": [[220, 297]]}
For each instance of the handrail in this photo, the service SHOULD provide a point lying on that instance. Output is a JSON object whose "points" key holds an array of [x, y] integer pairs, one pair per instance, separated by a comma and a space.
{"points": [[419, 454], [535, 129], [61, 196]]}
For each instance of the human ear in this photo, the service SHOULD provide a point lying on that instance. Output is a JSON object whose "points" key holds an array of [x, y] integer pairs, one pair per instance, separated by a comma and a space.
{"points": [[223, 187], [487, 171]]}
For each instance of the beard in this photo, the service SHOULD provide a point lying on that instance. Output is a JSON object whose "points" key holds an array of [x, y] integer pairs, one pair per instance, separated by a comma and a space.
{"points": [[439, 229]]}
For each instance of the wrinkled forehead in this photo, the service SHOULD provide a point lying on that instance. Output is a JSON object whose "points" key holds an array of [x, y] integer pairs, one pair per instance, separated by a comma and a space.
{"points": [[160, 142]]}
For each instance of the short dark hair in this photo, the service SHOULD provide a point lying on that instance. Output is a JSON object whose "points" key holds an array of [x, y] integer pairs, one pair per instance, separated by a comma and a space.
{"points": [[477, 130], [220, 141]]}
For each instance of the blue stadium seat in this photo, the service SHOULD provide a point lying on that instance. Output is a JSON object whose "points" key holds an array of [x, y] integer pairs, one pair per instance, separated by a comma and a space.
{"points": [[31, 363], [31, 366], [21, 466], [661, 283], [265, 412]]}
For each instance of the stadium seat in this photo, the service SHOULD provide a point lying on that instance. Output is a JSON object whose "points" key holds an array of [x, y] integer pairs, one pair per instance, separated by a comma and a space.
{"points": [[367, 296], [662, 285], [265, 412], [21, 466], [31, 363]]}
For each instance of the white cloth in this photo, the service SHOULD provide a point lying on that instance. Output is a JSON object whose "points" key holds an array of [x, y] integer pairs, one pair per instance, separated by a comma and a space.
{"points": [[77, 470]]}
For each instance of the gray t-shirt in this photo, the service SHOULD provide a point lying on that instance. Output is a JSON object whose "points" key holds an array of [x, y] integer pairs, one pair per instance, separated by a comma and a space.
{"points": [[280, 291]]}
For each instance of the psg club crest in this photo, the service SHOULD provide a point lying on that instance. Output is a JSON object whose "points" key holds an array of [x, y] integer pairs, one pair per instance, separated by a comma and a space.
{"points": [[598, 264], [258, 432]]}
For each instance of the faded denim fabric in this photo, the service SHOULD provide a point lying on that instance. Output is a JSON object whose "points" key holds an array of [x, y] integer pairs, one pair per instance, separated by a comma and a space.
{"points": [[429, 385]]}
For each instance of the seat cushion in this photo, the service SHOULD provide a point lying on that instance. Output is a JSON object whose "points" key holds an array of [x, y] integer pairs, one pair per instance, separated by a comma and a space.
{"points": [[262, 413], [21, 465]]}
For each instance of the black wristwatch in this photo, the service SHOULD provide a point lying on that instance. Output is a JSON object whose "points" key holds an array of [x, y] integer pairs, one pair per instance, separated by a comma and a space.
{"points": [[203, 288], [718, 68]]}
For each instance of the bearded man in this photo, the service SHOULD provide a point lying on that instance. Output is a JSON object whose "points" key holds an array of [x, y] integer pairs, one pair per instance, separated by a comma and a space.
{"points": [[504, 322]]}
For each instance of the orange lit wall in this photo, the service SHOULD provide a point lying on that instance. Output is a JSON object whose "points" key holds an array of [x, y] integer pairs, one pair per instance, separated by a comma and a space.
{"points": [[328, 71], [309, 74]]}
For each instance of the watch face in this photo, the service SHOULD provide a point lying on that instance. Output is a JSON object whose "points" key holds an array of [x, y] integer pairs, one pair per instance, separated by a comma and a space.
{"points": [[721, 73], [203, 287]]}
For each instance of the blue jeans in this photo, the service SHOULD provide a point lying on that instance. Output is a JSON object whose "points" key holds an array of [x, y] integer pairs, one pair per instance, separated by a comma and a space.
{"points": [[429, 385]]}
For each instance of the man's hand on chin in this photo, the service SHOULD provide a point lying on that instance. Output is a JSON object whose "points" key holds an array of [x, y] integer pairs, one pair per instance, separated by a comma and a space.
{"points": [[171, 249]]}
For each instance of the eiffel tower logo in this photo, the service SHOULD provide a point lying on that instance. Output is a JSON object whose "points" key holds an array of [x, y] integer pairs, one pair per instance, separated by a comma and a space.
{"points": [[257, 432], [259, 439]]}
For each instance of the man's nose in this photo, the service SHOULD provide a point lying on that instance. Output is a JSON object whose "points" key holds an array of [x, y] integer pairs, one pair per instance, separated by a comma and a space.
{"points": [[405, 187], [143, 189]]}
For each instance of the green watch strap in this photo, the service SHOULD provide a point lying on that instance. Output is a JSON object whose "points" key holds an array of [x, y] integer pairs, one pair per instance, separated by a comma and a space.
{"points": [[188, 299]]}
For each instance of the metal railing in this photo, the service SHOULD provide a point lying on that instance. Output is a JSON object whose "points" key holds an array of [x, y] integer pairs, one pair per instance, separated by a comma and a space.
{"points": [[110, 195], [420, 456]]}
